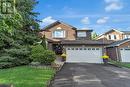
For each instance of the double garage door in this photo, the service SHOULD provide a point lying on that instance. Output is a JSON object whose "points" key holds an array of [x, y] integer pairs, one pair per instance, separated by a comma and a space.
{"points": [[84, 54], [125, 54]]}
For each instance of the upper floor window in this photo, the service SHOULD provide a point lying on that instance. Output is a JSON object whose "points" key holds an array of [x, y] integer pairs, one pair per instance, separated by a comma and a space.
{"points": [[115, 37], [127, 36], [112, 37], [81, 34], [59, 34]]}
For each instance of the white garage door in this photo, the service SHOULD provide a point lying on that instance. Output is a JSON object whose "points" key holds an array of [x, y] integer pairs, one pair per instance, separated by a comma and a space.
{"points": [[88, 54], [125, 54]]}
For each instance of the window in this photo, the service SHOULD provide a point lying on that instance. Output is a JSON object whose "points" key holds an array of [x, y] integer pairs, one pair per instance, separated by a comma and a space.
{"points": [[72, 48], [110, 37], [80, 48], [89, 48], [68, 48], [93, 48], [121, 49], [76, 49], [115, 37], [85, 48], [127, 49], [59, 34], [97, 48], [127, 36], [81, 34]]}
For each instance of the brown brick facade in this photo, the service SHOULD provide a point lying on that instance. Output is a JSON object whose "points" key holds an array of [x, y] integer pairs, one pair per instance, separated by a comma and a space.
{"points": [[70, 33], [112, 53]]}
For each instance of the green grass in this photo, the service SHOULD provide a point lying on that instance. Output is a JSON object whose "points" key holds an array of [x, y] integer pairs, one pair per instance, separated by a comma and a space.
{"points": [[120, 64], [127, 65], [26, 76]]}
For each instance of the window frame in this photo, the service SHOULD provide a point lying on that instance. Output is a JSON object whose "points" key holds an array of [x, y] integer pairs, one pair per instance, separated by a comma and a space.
{"points": [[115, 37], [56, 36], [82, 33], [109, 37]]}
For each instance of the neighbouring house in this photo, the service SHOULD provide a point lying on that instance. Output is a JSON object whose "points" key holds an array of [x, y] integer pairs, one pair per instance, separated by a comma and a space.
{"points": [[115, 35], [77, 43], [119, 50]]}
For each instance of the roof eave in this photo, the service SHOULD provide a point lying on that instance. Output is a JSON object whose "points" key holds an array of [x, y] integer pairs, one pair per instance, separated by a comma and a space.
{"points": [[57, 22]]}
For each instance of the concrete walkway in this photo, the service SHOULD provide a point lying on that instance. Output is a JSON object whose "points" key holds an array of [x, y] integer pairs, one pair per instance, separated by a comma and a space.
{"points": [[91, 75]]}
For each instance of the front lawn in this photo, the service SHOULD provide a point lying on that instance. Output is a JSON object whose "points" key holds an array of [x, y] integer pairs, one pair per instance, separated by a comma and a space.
{"points": [[26, 76]]}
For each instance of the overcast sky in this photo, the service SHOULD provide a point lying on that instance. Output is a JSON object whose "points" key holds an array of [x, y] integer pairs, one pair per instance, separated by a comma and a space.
{"points": [[99, 15]]}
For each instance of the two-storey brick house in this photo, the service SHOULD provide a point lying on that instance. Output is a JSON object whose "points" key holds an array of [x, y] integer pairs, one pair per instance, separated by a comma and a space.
{"points": [[79, 47], [59, 31]]}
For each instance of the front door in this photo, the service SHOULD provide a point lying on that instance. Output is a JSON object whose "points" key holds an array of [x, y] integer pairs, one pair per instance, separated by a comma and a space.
{"points": [[58, 48]]}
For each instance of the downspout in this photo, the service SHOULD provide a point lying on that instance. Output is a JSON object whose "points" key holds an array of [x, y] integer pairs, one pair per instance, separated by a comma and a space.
{"points": [[117, 54], [104, 47]]}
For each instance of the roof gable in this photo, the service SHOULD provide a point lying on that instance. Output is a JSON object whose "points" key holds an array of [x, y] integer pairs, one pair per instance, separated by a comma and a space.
{"points": [[58, 22], [109, 32], [113, 30]]}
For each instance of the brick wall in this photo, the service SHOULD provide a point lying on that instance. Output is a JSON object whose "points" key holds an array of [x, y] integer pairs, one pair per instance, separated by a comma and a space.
{"points": [[70, 33]]}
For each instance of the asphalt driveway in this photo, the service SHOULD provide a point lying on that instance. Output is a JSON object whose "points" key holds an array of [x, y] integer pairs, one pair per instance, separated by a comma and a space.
{"points": [[91, 75]]}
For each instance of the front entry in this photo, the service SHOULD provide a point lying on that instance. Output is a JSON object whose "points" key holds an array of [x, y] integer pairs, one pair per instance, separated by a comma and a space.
{"points": [[58, 48]]}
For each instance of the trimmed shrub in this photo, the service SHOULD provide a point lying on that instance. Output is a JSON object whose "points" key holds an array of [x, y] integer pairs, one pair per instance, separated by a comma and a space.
{"points": [[48, 57], [39, 54]]}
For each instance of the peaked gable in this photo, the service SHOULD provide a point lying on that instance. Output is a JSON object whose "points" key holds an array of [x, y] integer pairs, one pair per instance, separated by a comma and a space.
{"points": [[56, 23], [112, 30]]}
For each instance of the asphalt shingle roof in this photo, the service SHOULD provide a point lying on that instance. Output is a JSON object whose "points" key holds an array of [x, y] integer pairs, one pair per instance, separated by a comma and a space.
{"points": [[118, 43], [126, 32], [86, 42]]}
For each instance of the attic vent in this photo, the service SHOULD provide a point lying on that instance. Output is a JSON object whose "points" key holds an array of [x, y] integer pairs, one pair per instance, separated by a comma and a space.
{"points": [[59, 28]]}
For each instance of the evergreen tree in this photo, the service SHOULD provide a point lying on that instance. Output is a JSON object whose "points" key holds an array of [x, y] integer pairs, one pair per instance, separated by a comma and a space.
{"points": [[17, 34]]}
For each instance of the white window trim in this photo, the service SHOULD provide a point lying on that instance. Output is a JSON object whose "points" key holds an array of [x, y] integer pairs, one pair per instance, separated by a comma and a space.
{"points": [[113, 37], [54, 36], [126, 36], [78, 35]]}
